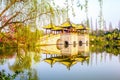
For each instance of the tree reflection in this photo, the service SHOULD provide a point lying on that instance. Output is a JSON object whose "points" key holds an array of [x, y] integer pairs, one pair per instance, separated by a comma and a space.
{"points": [[4, 76], [2, 61], [37, 55], [6, 54], [24, 59], [109, 48], [19, 75], [23, 63]]}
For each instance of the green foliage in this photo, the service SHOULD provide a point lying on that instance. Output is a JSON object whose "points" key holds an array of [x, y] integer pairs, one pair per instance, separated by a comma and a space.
{"points": [[28, 75], [23, 35], [23, 56], [4, 76], [113, 36], [29, 37], [110, 48], [106, 41]]}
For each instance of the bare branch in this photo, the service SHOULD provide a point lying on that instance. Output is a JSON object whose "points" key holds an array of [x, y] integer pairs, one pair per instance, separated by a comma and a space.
{"points": [[30, 18], [5, 24], [7, 7], [15, 22]]}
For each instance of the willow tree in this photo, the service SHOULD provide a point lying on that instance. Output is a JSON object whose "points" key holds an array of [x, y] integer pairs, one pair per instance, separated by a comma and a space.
{"points": [[6, 5], [86, 11], [101, 21], [57, 15], [17, 14], [110, 27], [23, 11], [105, 27], [96, 27], [91, 26], [119, 25]]}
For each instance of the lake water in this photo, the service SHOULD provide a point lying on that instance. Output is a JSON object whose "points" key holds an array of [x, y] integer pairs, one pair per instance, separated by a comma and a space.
{"points": [[62, 63]]}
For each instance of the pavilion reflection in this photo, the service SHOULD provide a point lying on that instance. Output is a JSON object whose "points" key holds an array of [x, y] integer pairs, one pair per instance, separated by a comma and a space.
{"points": [[67, 56]]}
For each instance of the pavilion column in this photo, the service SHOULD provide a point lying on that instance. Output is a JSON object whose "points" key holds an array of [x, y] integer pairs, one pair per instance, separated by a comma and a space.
{"points": [[46, 31], [50, 31], [60, 32], [54, 32], [68, 31], [63, 31], [46, 55]]}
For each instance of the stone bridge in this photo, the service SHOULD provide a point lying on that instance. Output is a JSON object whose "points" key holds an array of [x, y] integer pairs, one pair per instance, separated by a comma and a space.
{"points": [[49, 39], [67, 44], [68, 38]]}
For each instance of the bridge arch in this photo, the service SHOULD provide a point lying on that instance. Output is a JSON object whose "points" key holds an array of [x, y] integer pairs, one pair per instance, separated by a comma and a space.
{"points": [[66, 44], [80, 43], [59, 45]]}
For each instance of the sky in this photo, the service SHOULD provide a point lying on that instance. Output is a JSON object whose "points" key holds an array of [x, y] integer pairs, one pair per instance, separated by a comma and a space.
{"points": [[111, 11]]}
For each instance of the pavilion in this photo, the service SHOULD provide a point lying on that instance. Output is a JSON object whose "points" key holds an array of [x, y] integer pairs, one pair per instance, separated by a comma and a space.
{"points": [[66, 27]]}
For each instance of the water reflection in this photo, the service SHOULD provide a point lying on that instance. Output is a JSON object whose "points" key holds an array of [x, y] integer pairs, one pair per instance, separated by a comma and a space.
{"points": [[24, 59], [35, 63], [67, 56], [6, 54], [19, 61], [70, 50], [67, 61]]}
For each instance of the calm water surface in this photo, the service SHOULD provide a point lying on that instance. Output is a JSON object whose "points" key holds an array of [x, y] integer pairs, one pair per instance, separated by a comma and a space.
{"points": [[62, 63]]}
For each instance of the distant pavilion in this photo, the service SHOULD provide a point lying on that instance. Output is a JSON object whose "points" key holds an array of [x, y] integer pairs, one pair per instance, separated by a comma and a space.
{"points": [[66, 27]]}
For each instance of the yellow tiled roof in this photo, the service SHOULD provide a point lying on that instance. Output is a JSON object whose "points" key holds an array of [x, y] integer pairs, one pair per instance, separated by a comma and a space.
{"points": [[77, 26], [49, 26], [68, 63], [66, 24], [87, 28], [52, 26], [57, 28], [80, 27], [49, 61]]}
